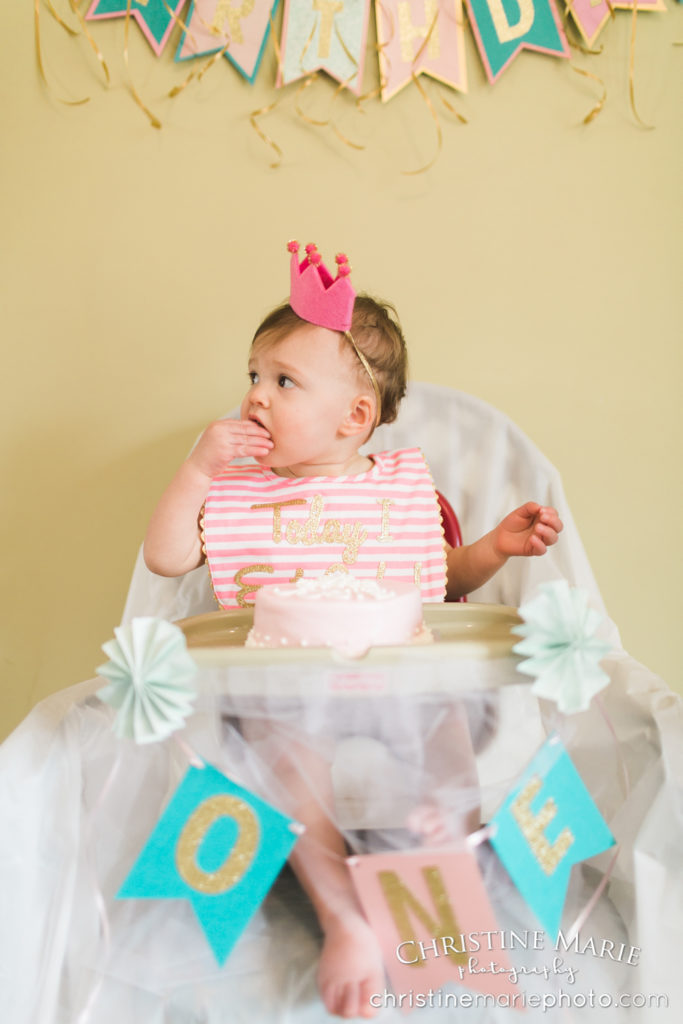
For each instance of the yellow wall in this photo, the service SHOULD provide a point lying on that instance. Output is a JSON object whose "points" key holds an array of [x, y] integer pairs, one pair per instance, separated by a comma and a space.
{"points": [[537, 265]]}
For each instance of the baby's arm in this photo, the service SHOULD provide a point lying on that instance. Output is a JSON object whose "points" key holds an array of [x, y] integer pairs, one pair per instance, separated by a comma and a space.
{"points": [[173, 542], [529, 530]]}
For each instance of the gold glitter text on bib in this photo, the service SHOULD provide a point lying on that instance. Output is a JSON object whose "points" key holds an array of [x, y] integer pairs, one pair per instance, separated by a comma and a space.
{"points": [[248, 588], [277, 507], [192, 837], [385, 536], [533, 826], [312, 531]]}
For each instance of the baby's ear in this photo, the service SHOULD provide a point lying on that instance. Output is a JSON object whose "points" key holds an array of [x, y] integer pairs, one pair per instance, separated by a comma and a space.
{"points": [[360, 417]]}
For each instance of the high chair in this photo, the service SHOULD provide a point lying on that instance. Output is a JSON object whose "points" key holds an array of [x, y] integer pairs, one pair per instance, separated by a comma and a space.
{"points": [[77, 804]]}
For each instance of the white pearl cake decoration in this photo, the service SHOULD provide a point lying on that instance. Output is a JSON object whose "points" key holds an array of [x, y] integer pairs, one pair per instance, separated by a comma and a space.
{"points": [[339, 611]]}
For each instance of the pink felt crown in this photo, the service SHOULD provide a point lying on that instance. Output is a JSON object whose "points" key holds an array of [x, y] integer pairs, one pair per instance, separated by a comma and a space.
{"points": [[315, 295]]}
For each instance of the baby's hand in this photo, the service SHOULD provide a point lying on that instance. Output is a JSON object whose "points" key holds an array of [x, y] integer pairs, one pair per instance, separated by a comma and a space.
{"points": [[529, 530], [225, 440]]}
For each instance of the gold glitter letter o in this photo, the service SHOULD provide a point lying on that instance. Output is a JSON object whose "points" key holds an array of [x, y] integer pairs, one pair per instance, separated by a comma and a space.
{"points": [[192, 836]]}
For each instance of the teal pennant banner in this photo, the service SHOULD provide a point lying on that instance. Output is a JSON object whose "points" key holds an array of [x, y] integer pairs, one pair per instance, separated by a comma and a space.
{"points": [[504, 27], [156, 18], [218, 846], [547, 824]]}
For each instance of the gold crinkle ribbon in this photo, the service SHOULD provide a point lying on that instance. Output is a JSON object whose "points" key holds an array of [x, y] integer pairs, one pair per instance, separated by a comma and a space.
{"points": [[593, 113], [631, 68], [153, 120], [262, 111], [39, 49]]}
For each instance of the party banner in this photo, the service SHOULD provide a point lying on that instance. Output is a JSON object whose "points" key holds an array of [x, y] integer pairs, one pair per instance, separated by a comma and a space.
{"points": [[241, 25], [324, 35], [218, 846], [420, 37], [592, 15], [504, 27], [431, 914], [548, 823], [156, 18]]}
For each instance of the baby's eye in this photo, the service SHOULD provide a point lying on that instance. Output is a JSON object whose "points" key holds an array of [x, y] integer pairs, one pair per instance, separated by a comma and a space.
{"points": [[253, 376], [284, 381]]}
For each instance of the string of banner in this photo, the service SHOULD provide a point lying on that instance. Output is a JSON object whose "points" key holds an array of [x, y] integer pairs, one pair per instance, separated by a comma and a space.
{"points": [[414, 38]]}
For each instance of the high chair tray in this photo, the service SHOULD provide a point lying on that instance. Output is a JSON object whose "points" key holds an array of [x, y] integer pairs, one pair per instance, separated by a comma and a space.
{"points": [[467, 631]]}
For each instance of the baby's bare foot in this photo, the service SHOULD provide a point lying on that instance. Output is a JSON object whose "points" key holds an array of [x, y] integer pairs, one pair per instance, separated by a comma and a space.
{"points": [[351, 968]]}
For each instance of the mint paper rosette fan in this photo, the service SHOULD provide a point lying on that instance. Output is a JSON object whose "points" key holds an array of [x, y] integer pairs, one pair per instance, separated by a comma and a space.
{"points": [[149, 672], [561, 647]]}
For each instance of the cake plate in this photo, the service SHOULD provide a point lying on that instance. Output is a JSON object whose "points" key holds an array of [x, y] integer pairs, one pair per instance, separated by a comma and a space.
{"points": [[471, 649]]}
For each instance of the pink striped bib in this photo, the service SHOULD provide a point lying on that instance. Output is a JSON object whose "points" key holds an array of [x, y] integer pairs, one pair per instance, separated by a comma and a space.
{"points": [[262, 528]]}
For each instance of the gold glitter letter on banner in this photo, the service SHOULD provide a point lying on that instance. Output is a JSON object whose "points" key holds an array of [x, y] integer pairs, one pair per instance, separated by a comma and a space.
{"points": [[234, 15], [408, 32], [504, 30], [401, 900], [328, 9], [192, 837], [533, 826]]}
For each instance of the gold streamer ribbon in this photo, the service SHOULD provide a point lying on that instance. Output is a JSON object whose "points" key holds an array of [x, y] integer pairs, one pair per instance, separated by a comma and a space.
{"points": [[86, 32], [213, 59], [53, 12], [262, 111], [430, 106], [153, 120], [382, 57], [592, 114], [439, 134], [451, 109], [311, 78], [341, 87], [199, 74], [39, 54], [631, 68]]}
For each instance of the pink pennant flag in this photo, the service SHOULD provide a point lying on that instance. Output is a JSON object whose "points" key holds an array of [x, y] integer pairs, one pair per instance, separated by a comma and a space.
{"points": [[243, 28], [435, 924], [420, 37], [592, 15]]}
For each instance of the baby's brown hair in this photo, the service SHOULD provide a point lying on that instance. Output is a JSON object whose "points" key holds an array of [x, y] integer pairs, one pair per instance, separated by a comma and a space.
{"points": [[377, 333]]}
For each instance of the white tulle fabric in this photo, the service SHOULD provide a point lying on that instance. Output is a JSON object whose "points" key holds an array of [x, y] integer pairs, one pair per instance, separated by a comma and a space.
{"points": [[77, 803]]}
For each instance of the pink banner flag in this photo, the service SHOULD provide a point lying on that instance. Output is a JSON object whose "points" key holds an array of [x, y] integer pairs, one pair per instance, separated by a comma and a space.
{"points": [[591, 15], [432, 916], [420, 37], [239, 26]]}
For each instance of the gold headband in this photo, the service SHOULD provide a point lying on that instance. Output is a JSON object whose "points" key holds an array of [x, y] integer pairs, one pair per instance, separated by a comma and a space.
{"points": [[368, 370]]}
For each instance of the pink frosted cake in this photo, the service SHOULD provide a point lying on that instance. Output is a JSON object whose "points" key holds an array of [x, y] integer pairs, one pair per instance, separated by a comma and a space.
{"points": [[337, 611]]}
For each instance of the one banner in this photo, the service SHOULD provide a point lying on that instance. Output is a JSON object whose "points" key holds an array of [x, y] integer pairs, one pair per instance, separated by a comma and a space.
{"points": [[324, 35], [504, 27], [241, 25], [156, 18], [546, 824], [420, 37], [218, 846], [431, 914], [591, 16]]}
